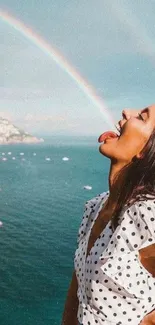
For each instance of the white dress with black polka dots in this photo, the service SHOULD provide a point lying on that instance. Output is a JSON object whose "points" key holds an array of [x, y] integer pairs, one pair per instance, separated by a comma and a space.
{"points": [[113, 285]]}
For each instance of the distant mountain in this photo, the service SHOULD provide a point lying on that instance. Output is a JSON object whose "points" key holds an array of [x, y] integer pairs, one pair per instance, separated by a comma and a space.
{"points": [[10, 134]]}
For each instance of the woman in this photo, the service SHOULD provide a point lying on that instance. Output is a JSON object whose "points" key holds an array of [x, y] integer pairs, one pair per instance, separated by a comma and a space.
{"points": [[114, 278]]}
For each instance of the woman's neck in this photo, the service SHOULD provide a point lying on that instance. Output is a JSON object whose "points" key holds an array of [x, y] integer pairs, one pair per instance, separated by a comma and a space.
{"points": [[115, 168]]}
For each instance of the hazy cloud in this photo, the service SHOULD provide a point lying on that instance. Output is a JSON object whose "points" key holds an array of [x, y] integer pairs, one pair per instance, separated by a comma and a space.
{"points": [[111, 43]]}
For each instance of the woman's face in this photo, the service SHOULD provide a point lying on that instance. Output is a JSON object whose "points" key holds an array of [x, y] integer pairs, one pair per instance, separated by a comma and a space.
{"points": [[136, 128]]}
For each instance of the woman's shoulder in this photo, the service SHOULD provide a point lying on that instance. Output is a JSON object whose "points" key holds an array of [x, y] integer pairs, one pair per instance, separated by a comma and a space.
{"points": [[143, 210], [90, 207], [138, 223], [96, 199]]}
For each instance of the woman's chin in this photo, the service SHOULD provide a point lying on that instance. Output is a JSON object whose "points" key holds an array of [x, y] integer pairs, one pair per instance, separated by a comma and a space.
{"points": [[106, 149], [102, 149]]}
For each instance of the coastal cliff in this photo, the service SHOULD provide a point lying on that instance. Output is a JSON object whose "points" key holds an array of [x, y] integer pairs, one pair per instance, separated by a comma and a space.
{"points": [[10, 134]]}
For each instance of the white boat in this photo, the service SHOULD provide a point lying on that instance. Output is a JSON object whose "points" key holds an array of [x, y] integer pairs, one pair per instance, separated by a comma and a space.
{"points": [[47, 159], [87, 187], [65, 158], [9, 153], [21, 153]]}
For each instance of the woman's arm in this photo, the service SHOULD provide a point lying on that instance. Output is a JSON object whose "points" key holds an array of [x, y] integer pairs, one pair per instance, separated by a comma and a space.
{"points": [[149, 319], [147, 258], [71, 305]]}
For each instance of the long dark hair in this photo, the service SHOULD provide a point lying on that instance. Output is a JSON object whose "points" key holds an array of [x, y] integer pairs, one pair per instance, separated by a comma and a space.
{"points": [[137, 180]]}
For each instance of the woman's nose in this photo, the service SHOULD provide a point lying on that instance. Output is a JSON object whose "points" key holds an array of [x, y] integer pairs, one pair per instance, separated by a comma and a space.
{"points": [[126, 114], [126, 117]]}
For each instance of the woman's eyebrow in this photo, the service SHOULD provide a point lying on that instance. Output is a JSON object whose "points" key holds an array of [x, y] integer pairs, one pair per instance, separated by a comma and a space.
{"points": [[146, 110]]}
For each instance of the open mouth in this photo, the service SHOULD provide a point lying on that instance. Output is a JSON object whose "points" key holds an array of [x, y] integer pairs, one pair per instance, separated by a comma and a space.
{"points": [[119, 129], [110, 134]]}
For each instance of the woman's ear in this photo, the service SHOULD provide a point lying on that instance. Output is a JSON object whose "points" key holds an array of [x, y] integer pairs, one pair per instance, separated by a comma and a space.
{"points": [[140, 155]]}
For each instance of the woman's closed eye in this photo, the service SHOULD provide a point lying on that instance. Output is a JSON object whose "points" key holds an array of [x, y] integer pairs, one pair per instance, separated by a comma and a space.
{"points": [[140, 117]]}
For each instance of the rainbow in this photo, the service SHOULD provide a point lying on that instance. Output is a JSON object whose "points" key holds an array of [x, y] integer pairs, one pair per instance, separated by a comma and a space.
{"points": [[60, 60]]}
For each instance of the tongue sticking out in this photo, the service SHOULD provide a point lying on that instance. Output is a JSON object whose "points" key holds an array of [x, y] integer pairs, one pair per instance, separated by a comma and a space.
{"points": [[106, 135]]}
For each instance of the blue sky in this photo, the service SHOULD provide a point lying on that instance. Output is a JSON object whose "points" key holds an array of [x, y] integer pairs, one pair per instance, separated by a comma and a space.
{"points": [[111, 43]]}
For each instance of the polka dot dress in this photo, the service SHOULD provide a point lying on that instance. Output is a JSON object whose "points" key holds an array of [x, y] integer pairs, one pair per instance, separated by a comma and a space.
{"points": [[113, 285]]}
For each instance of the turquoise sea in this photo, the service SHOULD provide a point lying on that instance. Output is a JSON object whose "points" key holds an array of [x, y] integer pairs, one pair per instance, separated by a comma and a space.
{"points": [[41, 206]]}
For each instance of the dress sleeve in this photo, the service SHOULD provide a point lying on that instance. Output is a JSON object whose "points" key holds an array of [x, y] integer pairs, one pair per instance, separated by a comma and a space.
{"points": [[142, 216], [89, 207], [121, 260], [83, 223]]}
